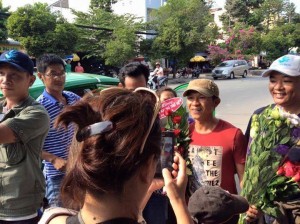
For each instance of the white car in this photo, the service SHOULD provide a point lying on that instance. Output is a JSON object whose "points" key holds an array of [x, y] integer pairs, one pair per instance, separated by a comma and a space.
{"points": [[231, 69]]}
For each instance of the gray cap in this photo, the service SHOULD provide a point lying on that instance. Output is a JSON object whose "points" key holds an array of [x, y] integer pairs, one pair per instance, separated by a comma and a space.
{"points": [[287, 65]]}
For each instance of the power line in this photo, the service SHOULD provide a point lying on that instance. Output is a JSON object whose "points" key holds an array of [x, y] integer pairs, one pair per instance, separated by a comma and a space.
{"points": [[111, 30], [92, 27]]}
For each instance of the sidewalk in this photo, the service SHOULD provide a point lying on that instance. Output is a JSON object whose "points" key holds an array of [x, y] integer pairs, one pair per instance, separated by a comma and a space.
{"points": [[257, 72]]}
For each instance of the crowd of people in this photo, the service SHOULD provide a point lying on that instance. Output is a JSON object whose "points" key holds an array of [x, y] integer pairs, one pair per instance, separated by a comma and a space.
{"points": [[93, 159]]}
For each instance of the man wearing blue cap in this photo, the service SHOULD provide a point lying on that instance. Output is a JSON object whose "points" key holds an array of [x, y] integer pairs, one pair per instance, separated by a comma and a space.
{"points": [[284, 87], [24, 124]]}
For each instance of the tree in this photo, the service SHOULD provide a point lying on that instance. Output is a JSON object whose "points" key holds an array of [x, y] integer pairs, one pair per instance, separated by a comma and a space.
{"points": [[237, 10], [181, 26], [123, 44], [102, 4], [40, 31], [217, 54], [271, 12], [280, 40], [113, 38], [243, 41], [3, 17], [146, 50], [290, 11], [242, 11]]}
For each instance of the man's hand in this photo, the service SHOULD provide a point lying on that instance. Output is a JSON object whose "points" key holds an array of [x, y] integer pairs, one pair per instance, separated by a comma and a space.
{"points": [[253, 214]]}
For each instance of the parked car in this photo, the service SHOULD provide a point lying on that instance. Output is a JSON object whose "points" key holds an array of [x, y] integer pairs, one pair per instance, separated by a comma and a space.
{"points": [[231, 69], [79, 83]]}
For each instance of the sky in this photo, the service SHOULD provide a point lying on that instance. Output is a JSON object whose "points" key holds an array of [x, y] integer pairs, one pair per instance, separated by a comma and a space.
{"points": [[84, 4]]}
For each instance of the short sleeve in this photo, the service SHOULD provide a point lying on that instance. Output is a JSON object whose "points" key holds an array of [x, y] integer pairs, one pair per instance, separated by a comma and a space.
{"points": [[240, 147], [29, 123]]}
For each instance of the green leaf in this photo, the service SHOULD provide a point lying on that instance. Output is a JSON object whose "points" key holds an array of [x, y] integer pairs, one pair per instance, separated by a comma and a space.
{"points": [[263, 157], [277, 180], [284, 131], [285, 140]]}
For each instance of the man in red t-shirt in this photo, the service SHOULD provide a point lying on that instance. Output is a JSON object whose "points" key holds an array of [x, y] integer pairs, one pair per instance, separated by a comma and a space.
{"points": [[218, 149]]}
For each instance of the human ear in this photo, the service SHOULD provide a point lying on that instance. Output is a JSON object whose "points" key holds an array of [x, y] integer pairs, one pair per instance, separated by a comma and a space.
{"points": [[32, 79], [217, 101], [40, 75]]}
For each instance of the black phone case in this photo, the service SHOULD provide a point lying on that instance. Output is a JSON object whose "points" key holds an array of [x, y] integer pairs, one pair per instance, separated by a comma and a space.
{"points": [[167, 152]]}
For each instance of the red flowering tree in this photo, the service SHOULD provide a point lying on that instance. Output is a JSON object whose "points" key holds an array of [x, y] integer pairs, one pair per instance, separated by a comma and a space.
{"points": [[241, 42], [217, 54]]}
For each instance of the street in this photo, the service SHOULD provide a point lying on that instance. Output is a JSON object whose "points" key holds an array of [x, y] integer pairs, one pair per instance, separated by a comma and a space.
{"points": [[239, 98]]}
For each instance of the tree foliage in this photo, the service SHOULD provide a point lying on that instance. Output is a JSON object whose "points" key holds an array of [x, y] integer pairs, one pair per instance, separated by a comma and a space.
{"points": [[262, 14], [217, 54], [3, 18], [102, 4], [244, 41], [275, 22], [241, 11], [123, 43], [115, 41], [280, 40], [181, 27], [40, 31]]}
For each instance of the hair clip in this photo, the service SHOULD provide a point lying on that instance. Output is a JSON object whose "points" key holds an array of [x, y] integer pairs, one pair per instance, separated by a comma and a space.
{"points": [[94, 129]]}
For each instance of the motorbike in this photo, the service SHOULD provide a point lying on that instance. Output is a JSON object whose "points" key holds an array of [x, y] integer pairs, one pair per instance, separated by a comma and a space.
{"points": [[183, 73], [152, 82], [196, 73]]}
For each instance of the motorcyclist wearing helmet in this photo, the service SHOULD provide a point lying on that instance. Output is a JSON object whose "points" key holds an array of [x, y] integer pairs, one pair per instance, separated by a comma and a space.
{"points": [[158, 72]]}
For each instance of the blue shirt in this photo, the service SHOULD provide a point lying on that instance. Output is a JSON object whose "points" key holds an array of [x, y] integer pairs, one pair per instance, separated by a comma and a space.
{"points": [[59, 140]]}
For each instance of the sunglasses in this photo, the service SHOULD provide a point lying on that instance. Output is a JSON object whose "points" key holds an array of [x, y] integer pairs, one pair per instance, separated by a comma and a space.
{"points": [[147, 93], [155, 98]]}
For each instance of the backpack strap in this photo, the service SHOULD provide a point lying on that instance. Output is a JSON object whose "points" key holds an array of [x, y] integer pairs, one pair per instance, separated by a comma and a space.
{"points": [[73, 220], [51, 213]]}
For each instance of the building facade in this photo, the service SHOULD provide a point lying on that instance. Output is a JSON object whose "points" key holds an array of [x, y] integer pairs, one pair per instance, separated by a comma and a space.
{"points": [[139, 8]]}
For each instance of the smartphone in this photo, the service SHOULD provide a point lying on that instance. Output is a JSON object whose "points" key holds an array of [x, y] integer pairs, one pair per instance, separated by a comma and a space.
{"points": [[167, 153]]}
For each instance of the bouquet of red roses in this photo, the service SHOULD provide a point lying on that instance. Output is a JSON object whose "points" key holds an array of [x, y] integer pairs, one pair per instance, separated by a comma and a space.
{"points": [[177, 121]]}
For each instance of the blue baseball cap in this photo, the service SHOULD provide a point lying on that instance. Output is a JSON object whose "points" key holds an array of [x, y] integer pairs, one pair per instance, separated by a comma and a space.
{"points": [[17, 59]]}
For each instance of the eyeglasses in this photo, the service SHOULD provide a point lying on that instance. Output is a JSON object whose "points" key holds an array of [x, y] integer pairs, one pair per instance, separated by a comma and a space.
{"points": [[54, 74], [155, 98]]}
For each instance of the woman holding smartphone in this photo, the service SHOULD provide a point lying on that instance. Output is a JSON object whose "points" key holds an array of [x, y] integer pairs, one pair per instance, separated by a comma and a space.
{"points": [[110, 173]]}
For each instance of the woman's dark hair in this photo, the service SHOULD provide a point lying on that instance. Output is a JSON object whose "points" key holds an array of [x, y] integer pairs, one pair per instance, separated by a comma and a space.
{"points": [[102, 163], [48, 59], [165, 89]]}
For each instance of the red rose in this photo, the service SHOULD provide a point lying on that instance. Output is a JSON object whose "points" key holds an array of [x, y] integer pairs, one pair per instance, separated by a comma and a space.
{"points": [[177, 132], [180, 150], [168, 112], [289, 169], [177, 119], [296, 178], [280, 171]]}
